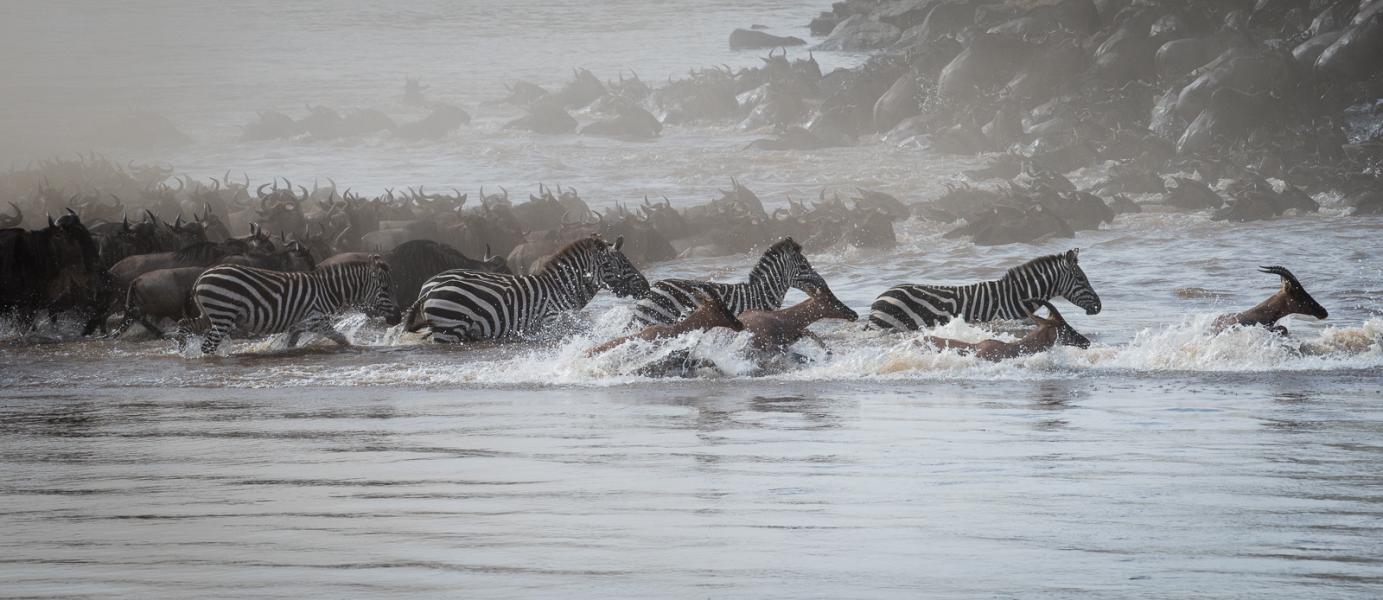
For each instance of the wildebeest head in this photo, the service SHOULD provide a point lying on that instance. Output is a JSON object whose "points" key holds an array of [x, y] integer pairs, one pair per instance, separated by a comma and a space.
{"points": [[666, 219]]}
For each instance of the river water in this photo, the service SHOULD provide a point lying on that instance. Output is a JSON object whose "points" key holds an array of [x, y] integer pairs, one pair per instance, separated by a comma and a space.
{"points": [[1162, 462]]}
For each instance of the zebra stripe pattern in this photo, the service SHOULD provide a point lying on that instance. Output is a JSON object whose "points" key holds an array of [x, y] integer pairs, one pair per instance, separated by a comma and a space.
{"points": [[461, 305], [914, 306], [782, 266], [259, 301]]}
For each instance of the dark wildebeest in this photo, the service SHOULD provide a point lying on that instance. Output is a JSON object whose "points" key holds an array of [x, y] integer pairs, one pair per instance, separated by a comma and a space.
{"points": [[56, 268], [414, 262]]}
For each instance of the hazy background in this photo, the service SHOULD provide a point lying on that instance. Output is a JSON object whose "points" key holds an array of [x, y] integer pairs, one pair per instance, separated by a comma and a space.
{"points": [[68, 66]]}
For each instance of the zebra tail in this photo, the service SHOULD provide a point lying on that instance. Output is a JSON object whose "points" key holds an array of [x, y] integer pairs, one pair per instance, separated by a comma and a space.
{"points": [[413, 323]]}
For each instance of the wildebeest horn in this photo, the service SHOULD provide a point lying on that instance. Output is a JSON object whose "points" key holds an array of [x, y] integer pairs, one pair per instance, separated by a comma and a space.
{"points": [[149, 216], [506, 192], [125, 221], [488, 257], [259, 191], [215, 184], [336, 243], [50, 220], [645, 200]]}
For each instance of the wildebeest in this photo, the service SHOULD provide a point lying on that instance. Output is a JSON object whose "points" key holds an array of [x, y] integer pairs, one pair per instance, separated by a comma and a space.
{"points": [[414, 262], [56, 269]]}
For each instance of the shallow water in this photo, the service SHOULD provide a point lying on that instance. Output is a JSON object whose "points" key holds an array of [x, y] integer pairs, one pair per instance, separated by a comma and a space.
{"points": [[1162, 462]]}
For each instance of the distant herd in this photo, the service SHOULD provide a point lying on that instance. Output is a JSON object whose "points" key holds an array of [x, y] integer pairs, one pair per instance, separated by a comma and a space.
{"points": [[243, 286]]}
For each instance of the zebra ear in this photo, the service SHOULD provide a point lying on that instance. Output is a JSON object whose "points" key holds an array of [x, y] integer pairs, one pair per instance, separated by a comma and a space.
{"points": [[619, 242], [1073, 255]]}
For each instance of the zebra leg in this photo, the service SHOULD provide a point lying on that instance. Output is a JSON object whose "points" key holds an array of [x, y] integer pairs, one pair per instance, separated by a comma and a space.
{"points": [[322, 326], [214, 336], [446, 336]]}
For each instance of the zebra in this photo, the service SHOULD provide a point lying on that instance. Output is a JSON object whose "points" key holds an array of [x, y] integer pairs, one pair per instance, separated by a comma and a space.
{"points": [[782, 266], [1013, 296], [461, 305], [232, 297]]}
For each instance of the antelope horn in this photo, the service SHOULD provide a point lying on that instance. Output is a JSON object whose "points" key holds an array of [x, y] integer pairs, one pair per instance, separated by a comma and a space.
{"points": [[1282, 272]]}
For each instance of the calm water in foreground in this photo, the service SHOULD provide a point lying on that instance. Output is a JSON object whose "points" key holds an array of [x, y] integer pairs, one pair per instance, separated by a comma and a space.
{"points": [[1235, 486]]}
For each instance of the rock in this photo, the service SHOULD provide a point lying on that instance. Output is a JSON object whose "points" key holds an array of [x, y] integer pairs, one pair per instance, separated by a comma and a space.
{"points": [[1356, 54], [1309, 51], [859, 32], [746, 39], [1191, 195]]}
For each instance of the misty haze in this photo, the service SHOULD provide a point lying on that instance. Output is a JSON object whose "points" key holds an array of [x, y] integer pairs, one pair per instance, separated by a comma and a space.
{"points": [[630, 299]]}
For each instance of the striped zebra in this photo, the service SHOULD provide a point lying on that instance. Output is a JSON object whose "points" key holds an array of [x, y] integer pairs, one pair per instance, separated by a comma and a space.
{"points": [[250, 300], [461, 305], [782, 266], [1013, 296]]}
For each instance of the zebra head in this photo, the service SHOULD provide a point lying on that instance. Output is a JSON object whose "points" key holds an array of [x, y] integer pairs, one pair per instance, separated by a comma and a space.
{"points": [[616, 272], [379, 295], [797, 268], [1075, 287]]}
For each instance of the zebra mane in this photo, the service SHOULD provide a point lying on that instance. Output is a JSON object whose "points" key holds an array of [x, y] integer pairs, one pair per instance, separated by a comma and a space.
{"points": [[777, 250], [1059, 258], [586, 244], [786, 244]]}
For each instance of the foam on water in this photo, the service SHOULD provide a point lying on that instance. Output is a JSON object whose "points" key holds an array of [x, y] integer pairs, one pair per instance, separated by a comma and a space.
{"points": [[390, 357]]}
